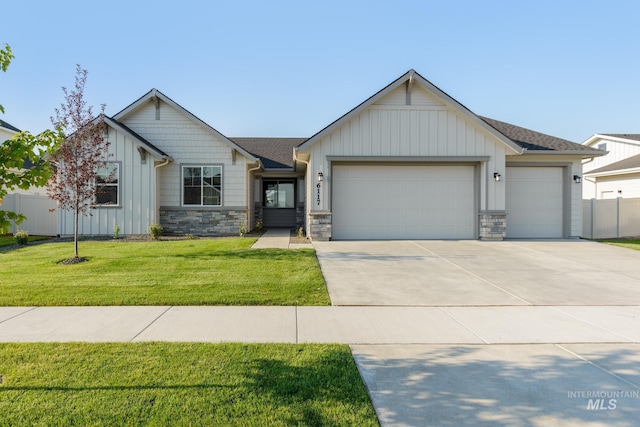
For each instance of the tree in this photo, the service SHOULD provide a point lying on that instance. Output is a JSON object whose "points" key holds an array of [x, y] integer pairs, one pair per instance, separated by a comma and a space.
{"points": [[83, 154], [15, 152]]}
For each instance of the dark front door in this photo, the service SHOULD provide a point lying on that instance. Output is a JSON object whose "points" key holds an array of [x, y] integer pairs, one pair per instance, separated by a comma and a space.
{"points": [[279, 203]]}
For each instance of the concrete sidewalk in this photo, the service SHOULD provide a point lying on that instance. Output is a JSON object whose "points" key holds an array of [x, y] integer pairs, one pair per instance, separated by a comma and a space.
{"points": [[349, 325]]}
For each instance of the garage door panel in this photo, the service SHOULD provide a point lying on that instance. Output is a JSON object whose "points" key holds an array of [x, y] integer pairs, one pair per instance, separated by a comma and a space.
{"points": [[534, 201], [403, 202]]}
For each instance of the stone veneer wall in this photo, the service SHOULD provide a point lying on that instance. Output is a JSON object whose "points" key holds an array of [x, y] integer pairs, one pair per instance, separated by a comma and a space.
{"points": [[493, 225], [202, 222], [320, 225]]}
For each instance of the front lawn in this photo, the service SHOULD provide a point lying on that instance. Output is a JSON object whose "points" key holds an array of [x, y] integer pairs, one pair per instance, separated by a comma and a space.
{"points": [[182, 272], [166, 384]]}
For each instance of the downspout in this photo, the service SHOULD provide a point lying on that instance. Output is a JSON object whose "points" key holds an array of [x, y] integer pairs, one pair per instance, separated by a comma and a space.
{"points": [[248, 195], [157, 195]]}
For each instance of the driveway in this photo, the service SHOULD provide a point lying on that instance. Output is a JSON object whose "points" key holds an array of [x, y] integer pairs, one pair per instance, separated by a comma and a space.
{"points": [[475, 273], [548, 374]]}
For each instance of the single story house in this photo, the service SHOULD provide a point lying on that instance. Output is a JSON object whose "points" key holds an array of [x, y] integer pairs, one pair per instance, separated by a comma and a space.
{"points": [[410, 162], [618, 173]]}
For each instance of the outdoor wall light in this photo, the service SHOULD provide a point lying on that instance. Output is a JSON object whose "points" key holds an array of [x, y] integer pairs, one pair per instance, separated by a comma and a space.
{"points": [[320, 176], [497, 177], [576, 179]]}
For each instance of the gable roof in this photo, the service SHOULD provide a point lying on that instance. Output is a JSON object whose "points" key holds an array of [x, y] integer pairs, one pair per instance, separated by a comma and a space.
{"points": [[131, 134], [8, 126], [629, 138], [156, 94], [629, 164], [538, 142], [633, 136], [412, 76], [274, 153]]}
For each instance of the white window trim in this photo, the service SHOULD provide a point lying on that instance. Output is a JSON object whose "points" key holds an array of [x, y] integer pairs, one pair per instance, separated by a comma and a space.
{"points": [[118, 188], [201, 165]]}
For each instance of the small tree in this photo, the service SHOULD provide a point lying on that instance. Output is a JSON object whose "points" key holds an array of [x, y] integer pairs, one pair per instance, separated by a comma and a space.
{"points": [[17, 150], [81, 156]]}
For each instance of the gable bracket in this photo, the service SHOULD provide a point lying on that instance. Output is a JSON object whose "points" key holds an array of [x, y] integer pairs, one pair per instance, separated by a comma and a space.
{"points": [[143, 155], [409, 87], [156, 99]]}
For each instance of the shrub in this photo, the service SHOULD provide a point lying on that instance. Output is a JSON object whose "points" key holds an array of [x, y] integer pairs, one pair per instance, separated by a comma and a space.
{"points": [[21, 237], [243, 230], [259, 226], [155, 230], [116, 231], [300, 233]]}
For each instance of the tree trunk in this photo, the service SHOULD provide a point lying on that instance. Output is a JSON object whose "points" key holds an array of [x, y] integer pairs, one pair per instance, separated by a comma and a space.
{"points": [[75, 229]]}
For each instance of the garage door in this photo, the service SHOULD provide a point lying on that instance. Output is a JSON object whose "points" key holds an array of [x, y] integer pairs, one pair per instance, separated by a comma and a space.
{"points": [[403, 202], [534, 202]]}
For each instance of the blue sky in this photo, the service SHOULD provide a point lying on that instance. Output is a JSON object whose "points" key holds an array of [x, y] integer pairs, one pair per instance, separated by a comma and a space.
{"points": [[288, 68]]}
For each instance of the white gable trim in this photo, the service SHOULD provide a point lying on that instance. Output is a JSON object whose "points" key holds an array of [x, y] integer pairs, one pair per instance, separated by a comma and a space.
{"points": [[599, 137], [412, 77], [156, 94]]}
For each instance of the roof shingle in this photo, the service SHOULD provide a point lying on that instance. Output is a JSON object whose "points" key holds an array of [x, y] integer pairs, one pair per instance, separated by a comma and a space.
{"points": [[628, 163], [274, 153], [535, 141]]}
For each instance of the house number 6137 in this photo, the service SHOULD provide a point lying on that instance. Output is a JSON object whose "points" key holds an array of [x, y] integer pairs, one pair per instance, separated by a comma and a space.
{"points": [[318, 199]]}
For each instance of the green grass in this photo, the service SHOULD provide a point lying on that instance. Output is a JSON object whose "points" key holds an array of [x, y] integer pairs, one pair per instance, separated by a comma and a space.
{"points": [[7, 239], [625, 243], [184, 272], [161, 384]]}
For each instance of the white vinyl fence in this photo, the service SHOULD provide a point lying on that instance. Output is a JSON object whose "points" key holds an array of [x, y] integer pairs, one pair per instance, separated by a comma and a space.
{"points": [[610, 218], [41, 213]]}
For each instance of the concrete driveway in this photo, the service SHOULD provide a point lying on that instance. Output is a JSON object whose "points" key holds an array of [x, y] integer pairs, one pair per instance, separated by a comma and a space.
{"points": [[475, 273], [547, 374]]}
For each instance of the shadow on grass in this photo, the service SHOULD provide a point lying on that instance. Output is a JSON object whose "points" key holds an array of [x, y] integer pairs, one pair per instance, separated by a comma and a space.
{"points": [[489, 386], [329, 380]]}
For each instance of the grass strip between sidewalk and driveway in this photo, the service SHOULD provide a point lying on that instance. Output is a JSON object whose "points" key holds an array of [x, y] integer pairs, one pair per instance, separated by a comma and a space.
{"points": [[47, 384], [222, 271], [625, 243]]}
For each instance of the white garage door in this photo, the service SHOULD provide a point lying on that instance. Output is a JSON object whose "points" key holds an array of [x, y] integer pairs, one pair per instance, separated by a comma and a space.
{"points": [[534, 202], [403, 202]]}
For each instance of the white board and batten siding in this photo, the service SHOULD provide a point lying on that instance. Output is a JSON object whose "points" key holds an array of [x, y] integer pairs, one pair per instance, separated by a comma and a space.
{"points": [[426, 129], [188, 142], [136, 208]]}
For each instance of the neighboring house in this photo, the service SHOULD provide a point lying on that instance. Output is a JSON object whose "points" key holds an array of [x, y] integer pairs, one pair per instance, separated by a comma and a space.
{"points": [[32, 202], [7, 131], [618, 173], [410, 162]]}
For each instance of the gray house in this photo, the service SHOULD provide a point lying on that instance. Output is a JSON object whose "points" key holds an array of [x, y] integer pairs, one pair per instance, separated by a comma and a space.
{"points": [[408, 162]]}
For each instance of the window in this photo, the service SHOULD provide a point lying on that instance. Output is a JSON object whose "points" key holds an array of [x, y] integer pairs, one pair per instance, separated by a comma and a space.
{"points": [[602, 146], [108, 185], [279, 194], [202, 185]]}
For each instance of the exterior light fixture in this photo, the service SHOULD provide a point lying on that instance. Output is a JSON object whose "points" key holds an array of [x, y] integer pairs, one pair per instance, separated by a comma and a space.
{"points": [[577, 179], [320, 176], [497, 177]]}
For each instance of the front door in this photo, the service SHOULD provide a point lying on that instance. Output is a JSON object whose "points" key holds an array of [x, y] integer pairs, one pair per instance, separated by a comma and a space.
{"points": [[279, 203]]}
